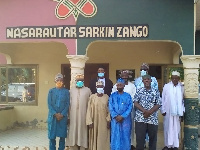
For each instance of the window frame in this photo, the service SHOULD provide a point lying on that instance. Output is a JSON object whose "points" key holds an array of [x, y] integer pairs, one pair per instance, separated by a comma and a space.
{"points": [[33, 66]]}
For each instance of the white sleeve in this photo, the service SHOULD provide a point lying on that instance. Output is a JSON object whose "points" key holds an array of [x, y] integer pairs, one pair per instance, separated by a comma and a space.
{"points": [[163, 109], [183, 105], [114, 89], [133, 91]]}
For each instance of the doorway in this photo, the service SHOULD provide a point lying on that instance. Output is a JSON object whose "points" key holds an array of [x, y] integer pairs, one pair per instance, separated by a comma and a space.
{"points": [[90, 72]]}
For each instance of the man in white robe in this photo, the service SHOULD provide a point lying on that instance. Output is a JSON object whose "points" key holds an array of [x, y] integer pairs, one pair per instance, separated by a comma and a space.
{"points": [[172, 109], [78, 131]]}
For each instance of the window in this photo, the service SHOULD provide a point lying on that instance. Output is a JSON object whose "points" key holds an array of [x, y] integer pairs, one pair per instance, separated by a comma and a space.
{"points": [[18, 84]]}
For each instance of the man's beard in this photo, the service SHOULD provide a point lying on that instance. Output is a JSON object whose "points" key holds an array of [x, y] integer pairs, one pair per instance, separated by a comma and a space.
{"points": [[119, 89]]}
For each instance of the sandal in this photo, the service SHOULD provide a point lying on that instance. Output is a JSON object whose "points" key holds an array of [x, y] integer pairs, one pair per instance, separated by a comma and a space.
{"points": [[165, 148]]}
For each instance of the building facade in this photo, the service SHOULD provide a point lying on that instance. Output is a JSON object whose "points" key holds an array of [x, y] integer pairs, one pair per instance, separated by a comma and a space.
{"points": [[76, 36]]}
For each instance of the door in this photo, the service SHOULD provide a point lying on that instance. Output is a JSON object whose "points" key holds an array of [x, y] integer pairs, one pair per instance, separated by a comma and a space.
{"points": [[167, 70], [66, 71], [162, 73], [156, 71], [90, 72]]}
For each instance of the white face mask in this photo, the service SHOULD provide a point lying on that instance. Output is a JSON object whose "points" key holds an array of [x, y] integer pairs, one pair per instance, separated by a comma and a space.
{"points": [[100, 90], [142, 73]]}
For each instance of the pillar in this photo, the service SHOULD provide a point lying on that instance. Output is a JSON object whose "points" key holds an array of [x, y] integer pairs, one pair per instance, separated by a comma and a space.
{"points": [[191, 85], [77, 66]]}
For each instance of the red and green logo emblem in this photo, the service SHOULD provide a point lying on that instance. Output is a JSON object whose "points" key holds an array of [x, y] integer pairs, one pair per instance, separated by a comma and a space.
{"points": [[65, 8]]}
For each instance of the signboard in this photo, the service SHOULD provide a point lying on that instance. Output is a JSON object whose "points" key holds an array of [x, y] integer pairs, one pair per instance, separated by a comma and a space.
{"points": [[75, 31]]}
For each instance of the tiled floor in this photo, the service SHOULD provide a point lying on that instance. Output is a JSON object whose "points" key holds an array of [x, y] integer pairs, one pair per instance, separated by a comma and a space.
{"points": [[36, 139], [31, 138]]}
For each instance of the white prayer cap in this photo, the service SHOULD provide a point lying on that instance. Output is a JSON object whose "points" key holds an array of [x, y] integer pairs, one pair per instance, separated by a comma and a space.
{"points": [[175, 73]]}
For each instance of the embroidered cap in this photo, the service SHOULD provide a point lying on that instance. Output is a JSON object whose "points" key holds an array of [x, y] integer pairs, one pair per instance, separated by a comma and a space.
{"points": [[120, 80], [125, 71], [99, 83], [79, 77], [145, 65], [59, 75]]}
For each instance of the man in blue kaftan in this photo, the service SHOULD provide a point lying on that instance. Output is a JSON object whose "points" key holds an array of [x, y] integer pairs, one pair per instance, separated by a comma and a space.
{"points": [[58, 105], [120, 106]]}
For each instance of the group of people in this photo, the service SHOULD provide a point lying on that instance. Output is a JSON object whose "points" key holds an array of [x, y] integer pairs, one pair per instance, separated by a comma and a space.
{"points": [[102, 117]]}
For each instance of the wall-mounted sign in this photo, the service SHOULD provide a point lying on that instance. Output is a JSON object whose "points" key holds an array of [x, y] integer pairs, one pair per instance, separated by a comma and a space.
{"points": [[75, 31]]}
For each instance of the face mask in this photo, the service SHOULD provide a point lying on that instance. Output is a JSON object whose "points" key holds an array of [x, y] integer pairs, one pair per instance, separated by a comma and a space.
{"points": [[79, 84], [100, 90], [142, 73], [59, 84], [101, 74]]}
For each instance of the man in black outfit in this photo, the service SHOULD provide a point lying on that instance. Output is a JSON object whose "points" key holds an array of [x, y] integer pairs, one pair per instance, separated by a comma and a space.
{"points": [[101, 77]]}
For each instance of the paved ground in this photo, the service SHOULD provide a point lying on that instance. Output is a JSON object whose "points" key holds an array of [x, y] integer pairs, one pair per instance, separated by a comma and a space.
{"points": [[36, 139], [31, 138]]}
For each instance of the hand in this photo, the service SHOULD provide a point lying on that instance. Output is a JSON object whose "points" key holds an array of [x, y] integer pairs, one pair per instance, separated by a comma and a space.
{"points": [[91, 126], [181, 118], [119, 119], [108, 124], [164, 114], [146, 113], [59, 116]]}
